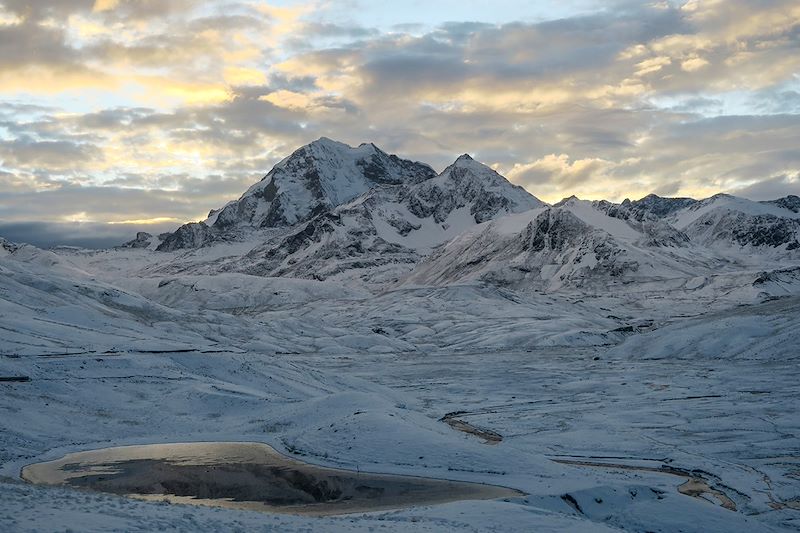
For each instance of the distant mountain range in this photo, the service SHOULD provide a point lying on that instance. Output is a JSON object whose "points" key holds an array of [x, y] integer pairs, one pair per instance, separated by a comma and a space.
{"points": [[357, 213], [347, 248]]}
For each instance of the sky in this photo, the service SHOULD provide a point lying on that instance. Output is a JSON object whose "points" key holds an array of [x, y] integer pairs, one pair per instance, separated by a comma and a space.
{"points": [[126, 115]]}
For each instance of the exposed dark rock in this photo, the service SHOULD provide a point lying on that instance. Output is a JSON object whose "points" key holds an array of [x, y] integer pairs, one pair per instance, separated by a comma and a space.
{"points": [[747, 230], [791, 202], [192, 235], [142, 240]]}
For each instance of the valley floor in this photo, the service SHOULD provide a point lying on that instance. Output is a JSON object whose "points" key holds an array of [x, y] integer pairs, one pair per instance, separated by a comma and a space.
{"points": [[600, 438]]}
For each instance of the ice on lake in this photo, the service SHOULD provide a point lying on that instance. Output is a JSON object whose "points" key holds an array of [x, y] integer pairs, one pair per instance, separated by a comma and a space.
{"points": [[244, 475]]}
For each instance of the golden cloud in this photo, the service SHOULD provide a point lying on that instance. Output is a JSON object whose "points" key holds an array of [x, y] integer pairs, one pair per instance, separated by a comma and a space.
{"points": [[104, 5]]}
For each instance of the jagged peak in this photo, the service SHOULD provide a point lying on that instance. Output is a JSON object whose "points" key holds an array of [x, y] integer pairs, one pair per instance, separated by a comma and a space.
{"points": [[326, 145], [327, 141], [651, 196], [722, 196], [465, 161], [566, 201], [8, 246], [790, 202], [332, 144], [654, 198]]}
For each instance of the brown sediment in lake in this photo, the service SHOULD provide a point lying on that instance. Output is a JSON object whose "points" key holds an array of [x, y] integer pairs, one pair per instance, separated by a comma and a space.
{"points": [[249, 476]]}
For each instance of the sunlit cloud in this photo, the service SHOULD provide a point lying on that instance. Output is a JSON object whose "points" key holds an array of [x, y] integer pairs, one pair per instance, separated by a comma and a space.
{"points": [[165, 110], [147, 221]]}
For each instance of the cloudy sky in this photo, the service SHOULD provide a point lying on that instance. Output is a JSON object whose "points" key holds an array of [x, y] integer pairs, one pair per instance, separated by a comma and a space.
{"points": [[118, 115]]}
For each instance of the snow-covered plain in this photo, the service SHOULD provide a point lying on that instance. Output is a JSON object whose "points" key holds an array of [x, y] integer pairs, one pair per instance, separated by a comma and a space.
{"points": [[345, 378], [629, 367]]}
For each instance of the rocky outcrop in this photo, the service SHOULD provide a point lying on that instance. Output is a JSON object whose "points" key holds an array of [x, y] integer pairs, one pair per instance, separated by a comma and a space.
{"points": [[192, 235], [142, 240], [468, 183]]}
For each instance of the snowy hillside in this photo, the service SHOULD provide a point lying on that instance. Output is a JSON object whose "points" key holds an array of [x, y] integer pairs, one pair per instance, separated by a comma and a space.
{"points": [[358, 215], [338, 211], [621, 366], [599, 414], [724, 219], [599, 245], [313, 179]]}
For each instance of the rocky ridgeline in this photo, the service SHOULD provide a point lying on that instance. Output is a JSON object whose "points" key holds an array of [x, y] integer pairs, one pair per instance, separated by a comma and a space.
{"points": [[330, 209]]}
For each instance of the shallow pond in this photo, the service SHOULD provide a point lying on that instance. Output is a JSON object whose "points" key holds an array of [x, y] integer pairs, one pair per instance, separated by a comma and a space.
{"points": [[247, 476]]}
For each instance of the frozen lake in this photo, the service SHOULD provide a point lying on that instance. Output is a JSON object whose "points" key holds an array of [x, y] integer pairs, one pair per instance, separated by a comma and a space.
{"points": [[250, 476]]}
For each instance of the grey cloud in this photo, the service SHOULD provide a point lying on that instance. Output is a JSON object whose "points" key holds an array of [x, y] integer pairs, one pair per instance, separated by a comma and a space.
{"points": [[11, 109], [666, 149], [777, 101], [698, 105], [30, 43], [112, 118], [125, 10], [228, 22], [40, 9], [772, 188], [279, 81], [112, 203], [408, 27], [81, 234], [26, 152], [669, 188], [464, 53], [327, 29]]}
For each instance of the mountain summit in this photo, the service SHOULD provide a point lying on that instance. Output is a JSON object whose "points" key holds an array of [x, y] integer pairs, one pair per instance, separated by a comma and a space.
{"points": [[330, 210], [316, 177], [321, 176]]}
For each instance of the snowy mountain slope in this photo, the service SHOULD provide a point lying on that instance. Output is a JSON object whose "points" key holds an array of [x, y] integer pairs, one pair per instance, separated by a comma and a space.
{"points": [[722, 219], [654, 205], [400, 214], [240, 294], [635, 405], [191, 235], [380, 412], [376, 237], [513, 335], [313, 179], [49, 306], [468, 182], [730, 221], [766, 330], [145, 240], [790, 202], [330, 211], [574, 244], [344, 240], [725, 202], [596, 245]]}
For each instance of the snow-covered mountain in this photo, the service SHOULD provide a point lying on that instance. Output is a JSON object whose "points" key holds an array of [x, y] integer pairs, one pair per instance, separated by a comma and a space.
{"points": [[399, 318], [330, 209], [312, 180], [315, 178], [600, 244], [790, 202], [469, 183], [728, 220], [384, 232]]}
